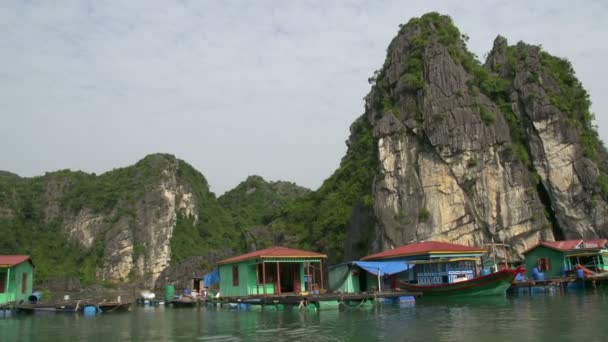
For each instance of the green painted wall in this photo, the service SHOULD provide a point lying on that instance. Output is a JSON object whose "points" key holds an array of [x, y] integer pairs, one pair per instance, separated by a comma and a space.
{"points": [[13, 288], [246, 279], [556, 261]]}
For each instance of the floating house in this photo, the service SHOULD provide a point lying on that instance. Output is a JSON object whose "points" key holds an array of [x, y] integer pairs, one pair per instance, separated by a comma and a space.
{"points": [[16, 278], [272, 271], [557, 258], [434, 262]]}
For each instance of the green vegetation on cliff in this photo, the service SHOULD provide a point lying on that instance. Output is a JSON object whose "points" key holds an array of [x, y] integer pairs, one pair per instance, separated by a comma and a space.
{"points": [[24, 230], [320, 219], [214, 227], [257, 202]]}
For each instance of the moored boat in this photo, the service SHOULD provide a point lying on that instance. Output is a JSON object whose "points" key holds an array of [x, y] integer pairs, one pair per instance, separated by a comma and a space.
{"points": [[491, 284], [445, 269]]}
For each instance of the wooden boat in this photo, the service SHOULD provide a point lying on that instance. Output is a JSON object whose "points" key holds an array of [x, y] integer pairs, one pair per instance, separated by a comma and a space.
{"points": [[491, 284], [107, 307], [183, 303]]}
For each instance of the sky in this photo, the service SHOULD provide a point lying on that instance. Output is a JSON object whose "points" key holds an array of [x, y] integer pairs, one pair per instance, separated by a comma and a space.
{"points": [[234, 88]]}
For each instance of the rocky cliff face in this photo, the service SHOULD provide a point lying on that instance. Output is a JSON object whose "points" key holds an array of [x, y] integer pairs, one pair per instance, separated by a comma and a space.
{"points": [[469, 153]]}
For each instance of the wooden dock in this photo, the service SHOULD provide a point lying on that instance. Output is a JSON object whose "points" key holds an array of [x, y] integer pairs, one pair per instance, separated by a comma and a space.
{"points": [[68, 307], [562, 284]]}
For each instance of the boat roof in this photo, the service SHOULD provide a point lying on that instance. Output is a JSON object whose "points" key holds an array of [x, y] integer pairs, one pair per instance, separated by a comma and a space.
{"points": [[569, 245], [12, 260], [425, 247], [274, 253]]}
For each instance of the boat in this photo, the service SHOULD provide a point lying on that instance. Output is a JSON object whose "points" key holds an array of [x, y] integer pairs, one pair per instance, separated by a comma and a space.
{"points": [[107, 307], [445, 269], [491, 284]]}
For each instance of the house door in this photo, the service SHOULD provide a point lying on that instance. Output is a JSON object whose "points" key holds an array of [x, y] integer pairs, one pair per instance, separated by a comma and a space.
{"points": [[290, 277]]}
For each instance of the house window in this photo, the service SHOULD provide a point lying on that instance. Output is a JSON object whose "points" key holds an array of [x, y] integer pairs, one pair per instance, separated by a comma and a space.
{"points": [[24, 283], [235, 275], [3, 282], [543, 264]]}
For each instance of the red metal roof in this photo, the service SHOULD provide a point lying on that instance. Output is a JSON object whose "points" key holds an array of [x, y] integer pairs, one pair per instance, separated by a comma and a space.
{"points": [[425, 247], [275, 253], [12, 260], [568, 245]]}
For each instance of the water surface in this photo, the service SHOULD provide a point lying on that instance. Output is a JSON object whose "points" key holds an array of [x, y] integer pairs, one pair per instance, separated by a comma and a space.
{"points": [[566, 317]]}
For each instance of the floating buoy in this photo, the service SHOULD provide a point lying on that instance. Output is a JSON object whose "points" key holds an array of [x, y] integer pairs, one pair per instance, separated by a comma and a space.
{"points": [[90, 310]]}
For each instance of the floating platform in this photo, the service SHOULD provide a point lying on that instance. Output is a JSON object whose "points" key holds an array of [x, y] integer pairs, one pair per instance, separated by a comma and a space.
{"points": [[70, 307], [317, 302], [557, 285]]}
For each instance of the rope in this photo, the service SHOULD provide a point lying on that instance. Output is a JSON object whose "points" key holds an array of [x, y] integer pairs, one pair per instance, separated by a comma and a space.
{"points": [[353, 307]]}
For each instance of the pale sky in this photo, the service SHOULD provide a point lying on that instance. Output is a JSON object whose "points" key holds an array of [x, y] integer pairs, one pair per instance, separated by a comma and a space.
{"points": [[233, 87]]}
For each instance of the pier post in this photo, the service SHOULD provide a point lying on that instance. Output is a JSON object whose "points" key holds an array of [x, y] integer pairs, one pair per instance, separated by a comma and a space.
{"points": [[257, 279], [321, 271], [278, 290], [264, 276]]}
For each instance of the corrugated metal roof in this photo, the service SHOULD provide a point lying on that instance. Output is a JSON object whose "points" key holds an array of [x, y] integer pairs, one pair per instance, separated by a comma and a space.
{"points": [[424, 248], [274, 252], [568, 245], [12, 260]]}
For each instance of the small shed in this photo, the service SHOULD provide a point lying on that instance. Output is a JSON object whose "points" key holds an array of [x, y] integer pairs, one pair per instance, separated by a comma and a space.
{"points": [[16, 278], [557, 258], [366, 276], [271, 271]]}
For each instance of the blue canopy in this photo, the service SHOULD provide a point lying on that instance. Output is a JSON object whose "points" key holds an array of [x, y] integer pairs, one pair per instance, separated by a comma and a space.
{"points": [[383, 267], [211, 278]]}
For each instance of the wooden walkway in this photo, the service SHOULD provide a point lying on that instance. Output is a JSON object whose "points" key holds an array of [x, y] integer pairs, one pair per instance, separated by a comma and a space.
{"points": [[294, 299]]}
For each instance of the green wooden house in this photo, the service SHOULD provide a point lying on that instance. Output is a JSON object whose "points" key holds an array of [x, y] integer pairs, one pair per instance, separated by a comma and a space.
{"points": [[558, 258], [16, 278], [271, 271]]}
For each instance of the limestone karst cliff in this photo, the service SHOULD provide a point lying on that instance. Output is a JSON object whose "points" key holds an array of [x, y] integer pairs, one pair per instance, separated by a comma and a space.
{"points": [[471, 153]]}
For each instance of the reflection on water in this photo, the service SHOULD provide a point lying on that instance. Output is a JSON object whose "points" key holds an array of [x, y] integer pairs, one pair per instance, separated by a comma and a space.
{"points": [[537, 318]]}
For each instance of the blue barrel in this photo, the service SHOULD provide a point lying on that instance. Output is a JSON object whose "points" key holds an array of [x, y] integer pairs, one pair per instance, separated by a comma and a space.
{"points": [[35, 297], [90, 310], [580, 273], [485, 271]]}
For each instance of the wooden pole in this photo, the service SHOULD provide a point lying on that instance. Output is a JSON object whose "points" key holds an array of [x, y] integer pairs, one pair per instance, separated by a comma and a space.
{"points": [[379, 283], [257, 279], [308, 279], [278, 290], [321, 270], [264, 277]]}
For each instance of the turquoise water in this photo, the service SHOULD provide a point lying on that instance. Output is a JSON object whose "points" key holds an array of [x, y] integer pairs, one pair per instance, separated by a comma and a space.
{"points": [[567, 317]]}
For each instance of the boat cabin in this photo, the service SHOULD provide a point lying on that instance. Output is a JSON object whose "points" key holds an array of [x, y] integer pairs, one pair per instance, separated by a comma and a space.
{"points": [[435, 262], [16, 278], [271, 271], [558, 258]]}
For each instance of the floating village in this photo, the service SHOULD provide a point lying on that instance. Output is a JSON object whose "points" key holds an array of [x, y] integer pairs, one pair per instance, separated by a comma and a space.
{"points": [[286, 278]]}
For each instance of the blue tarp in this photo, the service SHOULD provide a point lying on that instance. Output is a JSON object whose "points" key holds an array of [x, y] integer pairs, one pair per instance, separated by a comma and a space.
{"points": [[383, 267], [211, 278]]}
